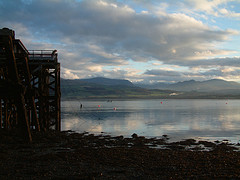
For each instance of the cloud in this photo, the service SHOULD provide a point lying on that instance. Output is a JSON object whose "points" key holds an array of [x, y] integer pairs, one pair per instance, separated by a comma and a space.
{"points": [[228, 13], [207, 6], [214, 7], [159, 72], [161, 75], [67, 74], [117, 28], [91, 35], [200, 74], [213, 62]]}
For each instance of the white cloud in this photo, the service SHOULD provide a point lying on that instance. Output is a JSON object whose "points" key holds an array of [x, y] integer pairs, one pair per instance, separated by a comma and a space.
{"points": [[103, 29], [91, 35], [228, 13], [214, 7], [208, 6], [95, 68], [67, 74]]}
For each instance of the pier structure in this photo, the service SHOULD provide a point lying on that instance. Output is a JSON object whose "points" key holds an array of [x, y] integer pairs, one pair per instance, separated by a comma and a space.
{"points": [[29, 86]]}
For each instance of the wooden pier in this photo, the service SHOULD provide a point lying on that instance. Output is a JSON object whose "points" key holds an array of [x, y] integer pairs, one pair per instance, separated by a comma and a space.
{"points": [[29, 87]]}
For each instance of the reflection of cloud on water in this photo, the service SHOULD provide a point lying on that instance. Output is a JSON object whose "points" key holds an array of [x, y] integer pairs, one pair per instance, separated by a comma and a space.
{"points": [[103, 115], [132, 125], [95, 128], [69, 124], [196, 126], [126, 122], [168, 127], [229, 125], [104, 122], [193, 121], [230, 121]]}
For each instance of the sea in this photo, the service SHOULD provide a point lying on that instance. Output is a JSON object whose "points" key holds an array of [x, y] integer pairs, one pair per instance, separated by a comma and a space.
{"points": [[179, 119]]}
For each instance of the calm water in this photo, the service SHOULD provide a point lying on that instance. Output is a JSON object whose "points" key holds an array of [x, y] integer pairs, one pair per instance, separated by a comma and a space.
{"points": [[180, 119]]}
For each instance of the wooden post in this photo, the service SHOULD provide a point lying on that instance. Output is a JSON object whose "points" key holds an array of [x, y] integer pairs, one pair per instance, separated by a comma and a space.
{"points": [[13, 77], [6, 114], [1, 119], [31, 96], [58, 97]]}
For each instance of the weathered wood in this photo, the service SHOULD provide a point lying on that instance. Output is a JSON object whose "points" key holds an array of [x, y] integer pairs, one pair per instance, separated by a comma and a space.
{"points": [[29, 86], [14, 77], [31, 96], [1, 119], [58, 97]]}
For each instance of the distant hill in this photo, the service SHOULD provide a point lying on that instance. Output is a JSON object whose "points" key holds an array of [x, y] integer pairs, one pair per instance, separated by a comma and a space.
{"points": [[106, 88], [153, 86], [102, 88], [108, 82], [211, 86]]}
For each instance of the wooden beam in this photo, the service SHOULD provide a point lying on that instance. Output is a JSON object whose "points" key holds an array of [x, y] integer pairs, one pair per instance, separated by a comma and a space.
{"points": [[31, 98], [13, 76], [1, 114]]}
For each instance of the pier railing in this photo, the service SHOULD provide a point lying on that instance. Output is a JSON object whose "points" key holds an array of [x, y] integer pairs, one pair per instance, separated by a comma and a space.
{"points": [[43, 55]]}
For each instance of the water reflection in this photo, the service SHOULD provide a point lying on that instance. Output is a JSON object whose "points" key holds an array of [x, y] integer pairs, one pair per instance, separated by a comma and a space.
{"points": [[211, 119]]}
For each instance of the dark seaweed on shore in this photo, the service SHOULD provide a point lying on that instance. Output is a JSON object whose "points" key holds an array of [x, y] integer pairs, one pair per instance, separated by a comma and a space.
{"points": [[70, 155]]}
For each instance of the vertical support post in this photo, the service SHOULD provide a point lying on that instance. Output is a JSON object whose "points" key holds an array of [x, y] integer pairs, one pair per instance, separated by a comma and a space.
{"points": [[44, 98], [40, 100], [31, 96], [6, 114], [57, 98], [1, 119], [13, 77]]}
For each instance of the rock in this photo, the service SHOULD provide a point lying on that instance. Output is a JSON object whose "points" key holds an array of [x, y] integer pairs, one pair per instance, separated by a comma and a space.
{"points": [[134, 135]]}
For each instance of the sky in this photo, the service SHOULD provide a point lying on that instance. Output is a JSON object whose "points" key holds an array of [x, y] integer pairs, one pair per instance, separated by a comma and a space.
{"points": [[145, 41]]}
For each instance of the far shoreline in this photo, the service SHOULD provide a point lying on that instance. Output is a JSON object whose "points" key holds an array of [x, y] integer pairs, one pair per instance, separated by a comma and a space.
{"points": [[147, 98]]}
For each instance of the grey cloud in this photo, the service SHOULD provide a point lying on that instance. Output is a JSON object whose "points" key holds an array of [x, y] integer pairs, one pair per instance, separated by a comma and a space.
{"points": [[158, 72], [227, 62], [90, 33], [148, 79], [213, 73], [170, 76], [116, 29], [162, 75], [221, 73]]}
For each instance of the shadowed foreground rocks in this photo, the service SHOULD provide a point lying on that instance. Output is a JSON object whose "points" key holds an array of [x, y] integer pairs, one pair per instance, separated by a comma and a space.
{"points": [[69, 155]]}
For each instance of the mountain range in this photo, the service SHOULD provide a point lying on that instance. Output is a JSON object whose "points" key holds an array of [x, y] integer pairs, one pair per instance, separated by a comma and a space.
{"points": [[108, 82], [217, 86], [106, 88], [100, 87]]}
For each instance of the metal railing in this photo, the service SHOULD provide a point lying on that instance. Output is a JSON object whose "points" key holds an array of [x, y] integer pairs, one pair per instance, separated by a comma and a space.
{"points": [[43, 55]]}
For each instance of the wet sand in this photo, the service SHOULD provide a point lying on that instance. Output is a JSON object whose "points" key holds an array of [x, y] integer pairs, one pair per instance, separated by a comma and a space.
{"points": [[69, 155]]}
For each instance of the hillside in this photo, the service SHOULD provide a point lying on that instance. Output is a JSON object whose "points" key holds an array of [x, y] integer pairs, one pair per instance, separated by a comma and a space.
{"points": [[108, 82], [103, 88], [211, 86], [106, 88]]}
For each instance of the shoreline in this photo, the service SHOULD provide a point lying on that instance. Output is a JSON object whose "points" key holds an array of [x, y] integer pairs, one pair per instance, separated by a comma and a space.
{"points": [[146, 98], [72, 155]]}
